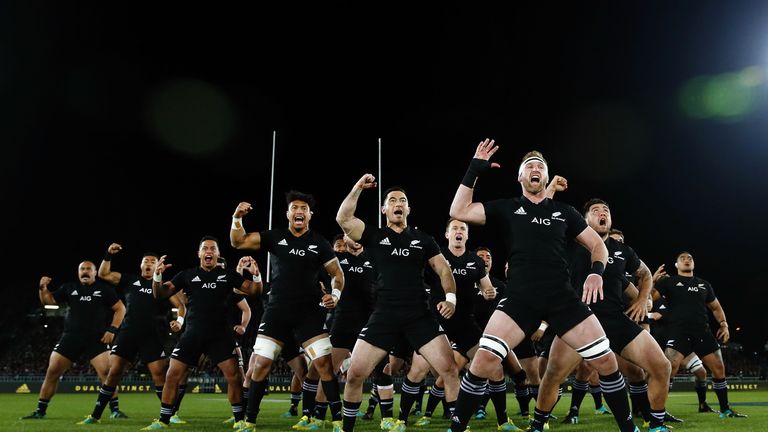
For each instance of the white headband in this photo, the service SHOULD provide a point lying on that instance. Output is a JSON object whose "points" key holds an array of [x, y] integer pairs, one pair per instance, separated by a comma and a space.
{"points": [[532, 158]]}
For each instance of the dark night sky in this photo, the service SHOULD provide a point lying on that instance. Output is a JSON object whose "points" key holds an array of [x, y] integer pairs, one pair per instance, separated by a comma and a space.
{"points": [[167, 117]]}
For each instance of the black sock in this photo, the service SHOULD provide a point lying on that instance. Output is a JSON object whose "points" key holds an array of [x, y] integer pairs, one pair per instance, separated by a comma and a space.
{"points": [[320, 410], [638, 392], [580, 389], [295, 399], [498, 394], [436, 394], [484, 400], [179, 398], [540, 417], [331, 389], [114, 404], [246, 390], [387, 408], [166, 411], [105, 394], [533, 389], [657, 418], [255, 394], [597, 395], [159, 392], [701, 391], [523, 398], [350, 415], [42, 405], [309, 390], [373, 400], [409, 392], [471, 390], [720, 386], [237, 411], [615, 393], [420, 397]]}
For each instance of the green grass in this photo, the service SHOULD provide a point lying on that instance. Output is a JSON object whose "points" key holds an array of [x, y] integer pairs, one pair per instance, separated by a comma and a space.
{"points": [[205, 412]]}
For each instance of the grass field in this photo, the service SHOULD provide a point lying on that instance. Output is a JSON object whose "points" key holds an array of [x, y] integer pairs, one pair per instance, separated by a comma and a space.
{"points": [[205, 412]]}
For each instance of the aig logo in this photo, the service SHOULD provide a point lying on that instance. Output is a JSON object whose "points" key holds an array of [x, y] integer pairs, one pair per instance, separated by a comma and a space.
{"points": [[693, 289], [400, 252], [354, 269], [299, 252], [462, 272], [541, 221], [209, 285], [145, 290], [85, 298]]}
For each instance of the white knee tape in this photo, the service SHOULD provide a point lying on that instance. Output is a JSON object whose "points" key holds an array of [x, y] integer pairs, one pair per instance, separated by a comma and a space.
{"points": [[319, 348], [494, 345], [694, 364], [266, 348], [595, 349]]}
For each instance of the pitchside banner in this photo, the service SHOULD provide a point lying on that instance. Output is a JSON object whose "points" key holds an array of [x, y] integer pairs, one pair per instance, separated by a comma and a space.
{"points": [[276, 385]]}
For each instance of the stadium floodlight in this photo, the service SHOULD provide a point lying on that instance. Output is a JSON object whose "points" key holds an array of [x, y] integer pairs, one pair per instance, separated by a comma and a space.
{"points": [[51, 306]]}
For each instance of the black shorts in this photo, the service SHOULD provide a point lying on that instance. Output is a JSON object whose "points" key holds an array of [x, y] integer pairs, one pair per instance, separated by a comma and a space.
{"points": [[219, 346], [561, 308], [299, 322], [545, 343], [463, 332], [147, 343], [619, 329], [344, 331], [385, 327], [402, 349], [72, 346], [701, 342], [291, 350], [525, 349]]}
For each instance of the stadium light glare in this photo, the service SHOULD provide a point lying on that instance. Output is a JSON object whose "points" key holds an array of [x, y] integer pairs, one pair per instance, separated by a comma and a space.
{"points": [[51, 306]]}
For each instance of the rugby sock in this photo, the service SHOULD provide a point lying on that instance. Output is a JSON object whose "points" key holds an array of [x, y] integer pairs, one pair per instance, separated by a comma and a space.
{"points": [[166, 411], [350, 415], [387, 408], [436, 394], [158, 392], [701, 391], [471, 390], [255, 394], [721, 390], [615, 391], [409, 390], [179, 397], [309, 390], [540, 417], [105, 394], [638, 392], [657, 418], [331, 389], [42, 405], [577, 396], [114, 404], [597, 395], [498, 392], [321, 408], [237, 411]]}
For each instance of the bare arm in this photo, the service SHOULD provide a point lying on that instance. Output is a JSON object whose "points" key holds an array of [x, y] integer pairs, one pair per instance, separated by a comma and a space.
{"points": [[659, 275], [105, 268], [255, 284], [178, 300], [337, 283], [487, 289], [345, 217], [462, 207], [237, 235], [245, 317], [439, 264], [117, 318], [558, 184], [46, 298], [639, 307], [717, 310], [593, 285], [162, 289]]}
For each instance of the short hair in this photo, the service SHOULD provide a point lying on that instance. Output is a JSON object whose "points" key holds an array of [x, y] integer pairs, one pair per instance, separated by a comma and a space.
{"points": [[151, 254], [616, 232], [593, 201], [338, 237], [294, 195], [482, 248], [393, 189], [451, 219], [536, 154], [681, 253], [206, 238]]}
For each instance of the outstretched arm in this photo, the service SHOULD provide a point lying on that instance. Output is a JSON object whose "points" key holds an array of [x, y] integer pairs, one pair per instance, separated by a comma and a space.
{"points": [[237, 235], [558, 184], [160, 289], [105, 268], [462, 207], [345, 217]]}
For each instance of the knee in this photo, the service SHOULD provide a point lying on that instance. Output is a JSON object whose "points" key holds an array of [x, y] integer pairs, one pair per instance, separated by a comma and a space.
{"points": [[605, 364]]}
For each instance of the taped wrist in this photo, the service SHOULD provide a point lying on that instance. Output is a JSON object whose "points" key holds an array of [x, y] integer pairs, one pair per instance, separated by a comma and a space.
{"points": [[476, 168]]}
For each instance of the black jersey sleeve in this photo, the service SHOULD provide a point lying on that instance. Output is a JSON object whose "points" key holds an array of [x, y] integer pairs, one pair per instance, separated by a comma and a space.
{"points": [[576, 222], [61, 295], [236, 278], [633, 261], [325, 251], [180, 281], [710, 293], [267, 240], [108, 295], [430, 248]]}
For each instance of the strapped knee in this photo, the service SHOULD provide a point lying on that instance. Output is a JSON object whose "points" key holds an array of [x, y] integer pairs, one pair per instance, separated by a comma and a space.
{"points": [[595, 349], [319, 348], [694, 364], [494, 345], [266, 348]]}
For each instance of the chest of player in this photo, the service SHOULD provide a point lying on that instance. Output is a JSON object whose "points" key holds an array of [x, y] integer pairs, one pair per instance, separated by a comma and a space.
{"points": [[397, 250], [209, 286], [140, 292], [534, 223], [357, 268], [694, 293], [465, 272], [298, 251], [85, 296], [617, 263]]}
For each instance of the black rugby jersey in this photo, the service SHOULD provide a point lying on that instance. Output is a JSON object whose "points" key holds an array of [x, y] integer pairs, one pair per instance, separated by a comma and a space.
{"points": [[687, 299], [359, 279], [535, 236], [400, 260], [483, 309], [89, 306], [207, 295], [467, 271], [143, 310], [296, 263], [622, 259]]}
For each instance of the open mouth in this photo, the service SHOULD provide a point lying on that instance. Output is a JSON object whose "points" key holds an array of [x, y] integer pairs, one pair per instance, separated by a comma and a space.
{"points": [[208, 259], [459, 237], [298, 219], [398, 212], [602, 221], [535, 179]]}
